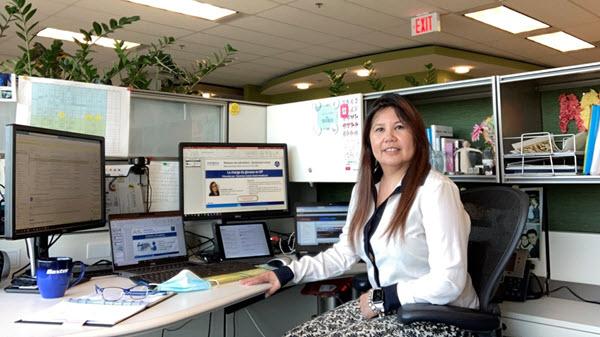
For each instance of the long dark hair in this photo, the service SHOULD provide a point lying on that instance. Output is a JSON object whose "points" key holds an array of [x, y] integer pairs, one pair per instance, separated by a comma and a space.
{"points": [[370, 174]]}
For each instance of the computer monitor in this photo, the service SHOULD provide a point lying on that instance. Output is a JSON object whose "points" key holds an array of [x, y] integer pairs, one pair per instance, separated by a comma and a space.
{"points": [[319, 225], [233, 181], [54, 184]]}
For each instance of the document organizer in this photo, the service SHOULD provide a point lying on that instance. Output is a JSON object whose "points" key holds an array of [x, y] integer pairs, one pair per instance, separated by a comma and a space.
{"points": [[542, 154]]}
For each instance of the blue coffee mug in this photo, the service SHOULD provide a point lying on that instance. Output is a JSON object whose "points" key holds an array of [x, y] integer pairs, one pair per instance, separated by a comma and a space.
{"points": [[54, 276]]}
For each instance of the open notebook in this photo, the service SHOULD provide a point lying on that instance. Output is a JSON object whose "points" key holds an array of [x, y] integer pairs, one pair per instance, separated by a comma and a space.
{"points": [[92, 310]]}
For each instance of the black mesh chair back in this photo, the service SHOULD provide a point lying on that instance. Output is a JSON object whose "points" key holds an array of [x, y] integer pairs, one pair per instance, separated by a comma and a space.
{"points": [[498, 215]]}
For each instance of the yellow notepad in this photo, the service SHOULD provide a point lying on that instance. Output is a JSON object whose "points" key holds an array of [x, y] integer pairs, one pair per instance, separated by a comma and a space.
{"points": [[232, 277]]}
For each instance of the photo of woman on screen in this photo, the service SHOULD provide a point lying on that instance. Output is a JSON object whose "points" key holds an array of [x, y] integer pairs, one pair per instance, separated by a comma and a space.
{"points": [[214, 189]]}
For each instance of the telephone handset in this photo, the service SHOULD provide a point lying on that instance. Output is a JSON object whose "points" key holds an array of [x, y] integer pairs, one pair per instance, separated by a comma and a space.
{"points": [[515, 284]]}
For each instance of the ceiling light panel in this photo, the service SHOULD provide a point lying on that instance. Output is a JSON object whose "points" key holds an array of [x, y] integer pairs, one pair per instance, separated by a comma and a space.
{"points": [[188, 7], [507, 19], [561, 41], [66, 35]]}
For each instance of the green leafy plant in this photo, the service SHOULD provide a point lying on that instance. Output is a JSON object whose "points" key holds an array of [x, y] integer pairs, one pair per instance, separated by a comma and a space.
{"points": [[79, 67], [7, 18], [337, 85], [133, 68], [23, 13], [374, 81], [184, 81], [430, 77]]}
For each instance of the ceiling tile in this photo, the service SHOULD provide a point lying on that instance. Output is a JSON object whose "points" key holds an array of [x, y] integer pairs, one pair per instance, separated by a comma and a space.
{"points": [[241, 46], [348, 12], [256, 37], [524, 48], [249, 7], [278, 63], [558, 14], [588, 32], [592, 6], [303, 59], [489, 50], [325, 52], [459, 25], [457, 5], [282, 29], [442, 39], [149, 27], [309, 20], [403, 9], [354, 47], [384, 40]]}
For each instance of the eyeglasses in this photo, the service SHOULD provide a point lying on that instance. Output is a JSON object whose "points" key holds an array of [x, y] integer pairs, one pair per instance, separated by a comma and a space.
{"points": [[137, 292]]}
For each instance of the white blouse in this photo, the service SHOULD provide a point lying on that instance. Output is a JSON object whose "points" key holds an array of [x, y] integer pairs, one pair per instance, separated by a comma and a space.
{"points": [[428, 265]]}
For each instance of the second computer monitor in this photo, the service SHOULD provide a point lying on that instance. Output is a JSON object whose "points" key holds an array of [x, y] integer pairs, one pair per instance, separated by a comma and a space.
{"points": [[319, 225], [233, 181]]}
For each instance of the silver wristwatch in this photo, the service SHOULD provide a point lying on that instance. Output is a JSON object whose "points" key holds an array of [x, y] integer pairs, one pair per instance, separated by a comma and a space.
{"points": [[375, 301]]}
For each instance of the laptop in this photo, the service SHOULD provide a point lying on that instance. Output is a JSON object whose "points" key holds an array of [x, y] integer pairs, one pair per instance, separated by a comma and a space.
{"points": [[319, 225], [151, 247]]}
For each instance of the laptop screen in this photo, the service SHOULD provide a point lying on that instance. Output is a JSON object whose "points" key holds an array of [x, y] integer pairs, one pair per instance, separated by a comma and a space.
{"points": [[243, 240], [319, 224], [146, 237]]}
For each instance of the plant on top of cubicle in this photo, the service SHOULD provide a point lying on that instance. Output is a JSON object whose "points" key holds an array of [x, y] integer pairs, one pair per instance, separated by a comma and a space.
{"points": [[430, 77], [337, 85], [374, 81], [131, 68]]}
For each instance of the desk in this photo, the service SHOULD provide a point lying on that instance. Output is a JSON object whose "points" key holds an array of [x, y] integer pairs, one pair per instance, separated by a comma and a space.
{"points": [[174, 309], [551, 317]]}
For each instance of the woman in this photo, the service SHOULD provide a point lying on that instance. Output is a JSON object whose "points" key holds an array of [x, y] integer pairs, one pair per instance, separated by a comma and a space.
{"points": [[214, 189], [405, 221]]}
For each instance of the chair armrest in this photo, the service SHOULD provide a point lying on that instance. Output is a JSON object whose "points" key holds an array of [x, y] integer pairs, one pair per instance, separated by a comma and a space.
{"points": [[463, 318]]}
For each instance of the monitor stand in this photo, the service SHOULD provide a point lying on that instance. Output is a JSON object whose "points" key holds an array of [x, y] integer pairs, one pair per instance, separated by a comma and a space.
{"points": [[26, 282]]}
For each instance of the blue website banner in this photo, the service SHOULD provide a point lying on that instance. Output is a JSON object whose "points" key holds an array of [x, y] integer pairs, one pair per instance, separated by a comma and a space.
{"points": [[245, 204], [244, 173], [154, 235]]}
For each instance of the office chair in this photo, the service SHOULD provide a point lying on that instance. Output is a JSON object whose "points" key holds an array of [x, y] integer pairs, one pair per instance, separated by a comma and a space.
{"points": [[498, 216]]}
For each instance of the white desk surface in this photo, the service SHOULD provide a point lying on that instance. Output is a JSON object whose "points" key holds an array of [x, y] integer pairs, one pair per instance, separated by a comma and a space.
{"points": [[176, 308], [556, 312]]}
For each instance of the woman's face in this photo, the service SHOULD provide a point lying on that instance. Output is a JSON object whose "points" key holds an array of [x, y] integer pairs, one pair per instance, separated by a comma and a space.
{"points": [[391, 141], [214, 187]]}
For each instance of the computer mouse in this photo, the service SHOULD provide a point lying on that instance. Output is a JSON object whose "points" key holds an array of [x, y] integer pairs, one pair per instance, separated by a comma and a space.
{"points": [[279, 262]]}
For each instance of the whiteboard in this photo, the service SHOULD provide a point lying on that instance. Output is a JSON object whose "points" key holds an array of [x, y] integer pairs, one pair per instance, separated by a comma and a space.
{"points": [[95, 109], [323, 137], [248, 125]]}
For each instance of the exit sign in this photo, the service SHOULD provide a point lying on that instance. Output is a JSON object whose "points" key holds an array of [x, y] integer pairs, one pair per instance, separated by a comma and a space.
{"points": [[424, 24]]}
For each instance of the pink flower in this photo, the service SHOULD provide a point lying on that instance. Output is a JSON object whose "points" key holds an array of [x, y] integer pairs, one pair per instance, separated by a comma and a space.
{"points": [[476, 133]]}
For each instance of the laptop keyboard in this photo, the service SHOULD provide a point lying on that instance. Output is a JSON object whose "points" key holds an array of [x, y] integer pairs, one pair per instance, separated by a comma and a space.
{"points": [[159, 274]]}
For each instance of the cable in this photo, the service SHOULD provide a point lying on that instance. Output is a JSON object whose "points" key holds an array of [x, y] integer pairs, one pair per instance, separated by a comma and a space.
{"points": [[254, 322], [53, 241], [103, 261], [175, 329], [209, 323], [574, 294]]}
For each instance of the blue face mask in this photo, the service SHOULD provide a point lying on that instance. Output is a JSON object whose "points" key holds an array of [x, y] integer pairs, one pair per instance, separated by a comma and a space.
{"points": [[185, 281]]}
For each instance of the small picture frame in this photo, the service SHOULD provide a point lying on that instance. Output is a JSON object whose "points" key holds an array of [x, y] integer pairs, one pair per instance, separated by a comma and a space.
{"points": [[531, 238], [8, 87]]}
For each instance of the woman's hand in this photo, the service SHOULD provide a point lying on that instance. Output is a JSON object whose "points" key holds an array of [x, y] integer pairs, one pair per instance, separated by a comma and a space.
{"points": [[268, 277], [366, 312]]}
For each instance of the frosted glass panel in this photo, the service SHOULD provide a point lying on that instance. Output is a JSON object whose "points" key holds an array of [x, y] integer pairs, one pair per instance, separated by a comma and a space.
{"points": [[158, 126], [7, 116]]}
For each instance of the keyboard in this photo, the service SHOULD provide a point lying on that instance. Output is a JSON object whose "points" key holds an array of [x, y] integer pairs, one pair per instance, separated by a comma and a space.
{"points": [[212, 271]]}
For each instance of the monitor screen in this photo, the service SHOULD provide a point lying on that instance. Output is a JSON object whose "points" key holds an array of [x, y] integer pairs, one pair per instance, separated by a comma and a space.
{"points": [[54, 182], [319, 225], [233, 181]]}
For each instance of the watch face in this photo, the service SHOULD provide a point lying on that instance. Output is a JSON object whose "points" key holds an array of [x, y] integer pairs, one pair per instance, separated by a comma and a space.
{"points": [[377, 295]]}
